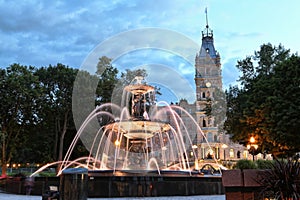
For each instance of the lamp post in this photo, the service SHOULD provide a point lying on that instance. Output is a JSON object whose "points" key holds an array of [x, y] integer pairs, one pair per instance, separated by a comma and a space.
{"points": [[252, 147]]}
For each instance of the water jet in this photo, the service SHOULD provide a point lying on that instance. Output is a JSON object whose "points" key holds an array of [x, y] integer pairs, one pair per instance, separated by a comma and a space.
{"points": [[137, 149]]}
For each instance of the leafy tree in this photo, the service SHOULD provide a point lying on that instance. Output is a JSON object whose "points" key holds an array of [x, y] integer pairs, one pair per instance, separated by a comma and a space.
{"points": [[36, 118], [266, 104], [128, 76], [125, 79], [84, 97], [107, 75], [216, 106], [57, 104], [284, 106], [19, 89], [85, 93]]}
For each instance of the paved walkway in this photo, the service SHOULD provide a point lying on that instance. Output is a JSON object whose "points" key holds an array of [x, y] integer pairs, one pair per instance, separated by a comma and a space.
{"points": [[4, 196]]}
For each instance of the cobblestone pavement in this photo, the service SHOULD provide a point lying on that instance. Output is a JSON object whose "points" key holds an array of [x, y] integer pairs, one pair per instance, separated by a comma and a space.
{"points": [[4, 196]]}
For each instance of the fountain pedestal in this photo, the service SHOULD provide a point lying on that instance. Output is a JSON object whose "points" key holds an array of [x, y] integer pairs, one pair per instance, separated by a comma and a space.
{"points": [[74, 184]]}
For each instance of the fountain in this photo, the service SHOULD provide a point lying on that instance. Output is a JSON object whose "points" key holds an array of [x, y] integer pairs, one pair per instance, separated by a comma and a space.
{"points": [[143, 137], [141, 148]]}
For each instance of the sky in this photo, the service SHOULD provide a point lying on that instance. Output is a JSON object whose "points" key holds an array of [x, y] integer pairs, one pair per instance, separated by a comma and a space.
{"points": [[161, 36]]}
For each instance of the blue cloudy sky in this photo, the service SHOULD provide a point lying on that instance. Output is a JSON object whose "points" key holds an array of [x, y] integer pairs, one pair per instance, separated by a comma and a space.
{"points": [[161, 36]]}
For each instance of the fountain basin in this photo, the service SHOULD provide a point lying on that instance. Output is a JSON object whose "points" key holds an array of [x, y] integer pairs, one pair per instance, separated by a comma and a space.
{"points": [[150, 183]]}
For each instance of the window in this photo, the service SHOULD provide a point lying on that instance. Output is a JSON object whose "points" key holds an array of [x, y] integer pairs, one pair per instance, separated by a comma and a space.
{"points": [[238, 154], [245, 154], [204, 123], [208, 94], [231, 153]]}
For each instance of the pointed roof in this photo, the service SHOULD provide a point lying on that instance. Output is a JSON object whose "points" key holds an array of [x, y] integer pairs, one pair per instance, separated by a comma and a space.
{"points": [[207, 46]]}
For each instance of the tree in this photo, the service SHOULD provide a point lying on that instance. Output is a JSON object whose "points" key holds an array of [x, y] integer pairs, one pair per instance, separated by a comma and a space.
{"points": [[284, 106], [56, 114], [107, 75], [19, 89], [216, 106], [125, 79], [263, 105]]}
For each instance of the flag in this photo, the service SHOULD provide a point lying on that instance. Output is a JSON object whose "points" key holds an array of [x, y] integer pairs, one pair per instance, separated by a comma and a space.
{"points": [[206, 10]]}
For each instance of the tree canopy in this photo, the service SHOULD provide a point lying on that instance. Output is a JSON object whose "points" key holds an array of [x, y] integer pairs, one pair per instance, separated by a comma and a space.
{"points": [[36, 119], [267, 102], [19, 89]]}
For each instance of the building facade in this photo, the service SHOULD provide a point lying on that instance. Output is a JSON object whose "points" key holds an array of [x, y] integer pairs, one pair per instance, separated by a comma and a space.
{"points": [[210, 105], [208, 79], [209, 109]]}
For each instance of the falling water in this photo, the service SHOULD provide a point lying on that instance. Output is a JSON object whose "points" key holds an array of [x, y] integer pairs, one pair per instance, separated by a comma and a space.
{"points": [[136, 136]]}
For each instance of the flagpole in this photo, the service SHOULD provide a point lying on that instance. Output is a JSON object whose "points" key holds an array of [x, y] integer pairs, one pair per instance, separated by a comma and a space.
{"points": [[206, 17], [206, 21]]}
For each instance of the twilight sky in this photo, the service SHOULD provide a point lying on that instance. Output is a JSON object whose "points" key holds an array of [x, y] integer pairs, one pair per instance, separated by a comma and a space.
{"points": [[160, 36]]}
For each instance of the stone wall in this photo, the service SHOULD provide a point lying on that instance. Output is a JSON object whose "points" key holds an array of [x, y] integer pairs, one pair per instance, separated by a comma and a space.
{"points": [[241, 184]]}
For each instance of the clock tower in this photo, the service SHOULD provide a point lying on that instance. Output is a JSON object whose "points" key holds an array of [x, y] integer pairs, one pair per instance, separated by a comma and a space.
{"points": [[208, 79]]}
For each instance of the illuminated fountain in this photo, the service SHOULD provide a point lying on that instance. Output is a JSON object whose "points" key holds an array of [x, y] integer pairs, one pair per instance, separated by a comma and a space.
{"points": [[137, 149], [139, 136]]}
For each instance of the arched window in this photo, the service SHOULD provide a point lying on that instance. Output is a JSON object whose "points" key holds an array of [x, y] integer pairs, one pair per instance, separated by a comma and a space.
{"points": [[203, 94], [238, 154], [204, 122], [198, 96], [231, 153], [208, 94]]}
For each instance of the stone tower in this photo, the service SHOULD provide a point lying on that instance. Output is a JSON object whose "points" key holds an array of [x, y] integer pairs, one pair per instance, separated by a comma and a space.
{"points": [[208, 79]]}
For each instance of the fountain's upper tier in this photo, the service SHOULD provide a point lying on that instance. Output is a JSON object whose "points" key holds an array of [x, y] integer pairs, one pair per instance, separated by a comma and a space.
{"points": [[138, 129], [139, 89], [138, 86]]}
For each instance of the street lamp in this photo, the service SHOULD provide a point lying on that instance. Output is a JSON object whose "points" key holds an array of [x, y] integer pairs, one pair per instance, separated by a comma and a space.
{"points": [[252, 147], [252, 140]]}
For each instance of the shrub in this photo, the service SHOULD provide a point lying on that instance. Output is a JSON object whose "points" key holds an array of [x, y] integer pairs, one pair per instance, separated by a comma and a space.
{"points": [[47, 174], [263, 164], [282, 181], [245, 164]]}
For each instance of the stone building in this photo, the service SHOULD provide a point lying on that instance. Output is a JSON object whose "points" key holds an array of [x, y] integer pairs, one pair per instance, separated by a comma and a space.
{"points": [[211, 142]]}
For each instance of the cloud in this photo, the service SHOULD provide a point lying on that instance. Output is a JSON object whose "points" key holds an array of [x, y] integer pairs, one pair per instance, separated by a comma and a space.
{"points": [[56, 28], [146, 38], [156, 50], [170, 72], [173, 85]]}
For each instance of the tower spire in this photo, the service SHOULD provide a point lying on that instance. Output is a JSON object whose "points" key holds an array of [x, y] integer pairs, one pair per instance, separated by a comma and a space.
{"points": [[208, 31], [206, 17]]}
